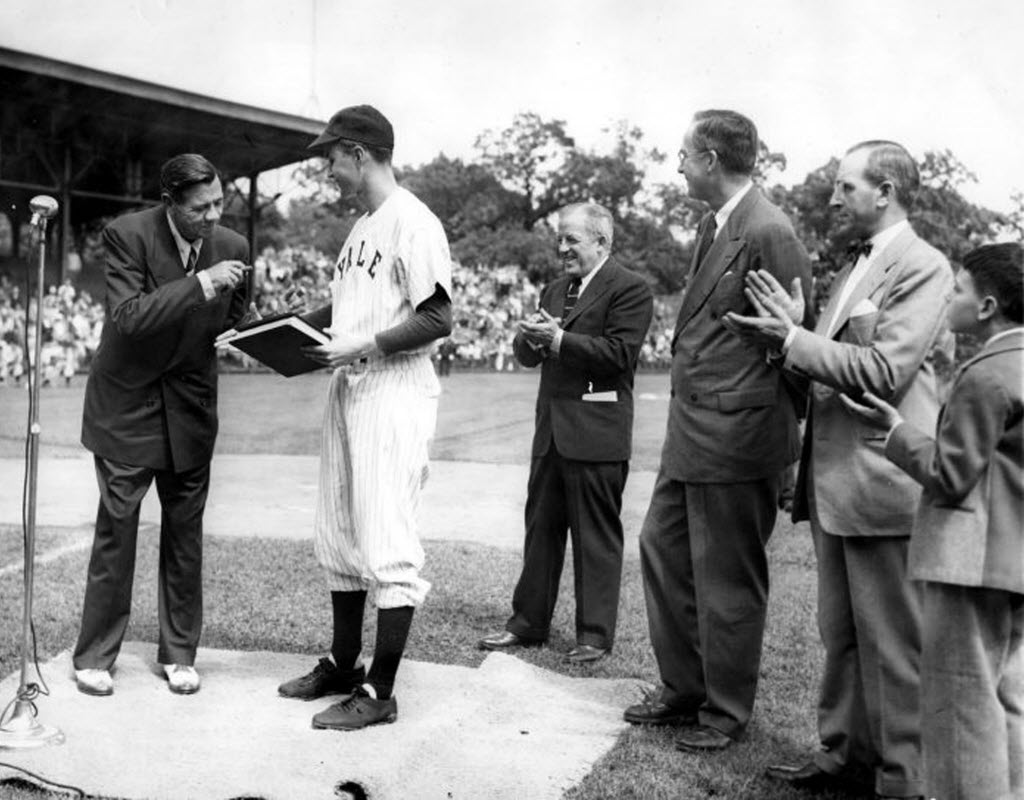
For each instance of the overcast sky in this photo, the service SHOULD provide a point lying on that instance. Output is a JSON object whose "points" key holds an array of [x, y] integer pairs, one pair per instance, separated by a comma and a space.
{"points": [[815, 75]]}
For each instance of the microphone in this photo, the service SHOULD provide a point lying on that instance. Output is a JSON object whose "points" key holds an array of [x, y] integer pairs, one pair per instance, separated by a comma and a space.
{"points": [[43, 208]]}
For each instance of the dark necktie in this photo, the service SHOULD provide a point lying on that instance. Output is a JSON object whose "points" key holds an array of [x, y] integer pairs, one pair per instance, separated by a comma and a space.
{"points": [[858, 248], [572, 293], [193, 257], [707, 238]]}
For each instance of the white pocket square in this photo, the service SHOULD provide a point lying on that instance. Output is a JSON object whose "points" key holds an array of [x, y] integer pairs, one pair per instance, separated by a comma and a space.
{"points": [[865, 306]]}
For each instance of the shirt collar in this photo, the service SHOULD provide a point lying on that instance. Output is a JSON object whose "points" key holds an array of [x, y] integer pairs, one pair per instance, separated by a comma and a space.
{"points": [[884, 238], [1001, 334], [585, 280], [722, 215], [183, 246]]}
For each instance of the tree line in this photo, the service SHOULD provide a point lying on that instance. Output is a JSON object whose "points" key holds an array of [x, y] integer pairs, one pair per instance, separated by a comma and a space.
{"points": [[497, 207]]}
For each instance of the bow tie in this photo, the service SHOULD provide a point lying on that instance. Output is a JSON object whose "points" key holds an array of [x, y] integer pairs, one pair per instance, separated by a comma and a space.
{"points": [[858, 248]]}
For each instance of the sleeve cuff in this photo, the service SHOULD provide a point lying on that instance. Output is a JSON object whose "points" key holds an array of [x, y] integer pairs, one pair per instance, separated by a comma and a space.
{"points": [[556, 343], [789, 340], [207, 285]]}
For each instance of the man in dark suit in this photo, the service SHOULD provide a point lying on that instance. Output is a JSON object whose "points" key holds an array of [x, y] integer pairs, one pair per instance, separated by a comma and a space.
{"points": [[174, 282], [732, 432], [876, 334], [587, 336]]}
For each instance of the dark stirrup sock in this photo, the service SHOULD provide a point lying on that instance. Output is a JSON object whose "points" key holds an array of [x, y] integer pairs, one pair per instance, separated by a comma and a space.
{"points": [[392, 631], [348, 627]]}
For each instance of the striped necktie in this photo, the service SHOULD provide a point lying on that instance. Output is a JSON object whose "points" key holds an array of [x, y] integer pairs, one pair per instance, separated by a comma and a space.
{"points": [[707, 238], [193, 257], [572, 293]]}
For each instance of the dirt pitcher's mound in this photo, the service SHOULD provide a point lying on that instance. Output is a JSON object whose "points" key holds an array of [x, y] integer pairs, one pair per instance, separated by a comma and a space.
{"points": [[504, 730]]}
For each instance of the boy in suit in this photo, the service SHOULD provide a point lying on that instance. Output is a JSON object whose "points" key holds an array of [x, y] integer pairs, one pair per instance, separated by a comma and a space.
{"points": [[967, 546]]}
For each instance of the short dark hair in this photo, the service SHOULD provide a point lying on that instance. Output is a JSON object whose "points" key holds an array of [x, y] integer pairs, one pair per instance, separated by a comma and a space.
{"points": [[182, 172], [382, 155], [890, 161], [598, 220], [998, 270], [731, 135]]}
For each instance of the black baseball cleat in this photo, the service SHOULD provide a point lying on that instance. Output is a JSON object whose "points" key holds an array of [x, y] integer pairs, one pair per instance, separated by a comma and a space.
{"points": [[325, 679], [357, 711]]}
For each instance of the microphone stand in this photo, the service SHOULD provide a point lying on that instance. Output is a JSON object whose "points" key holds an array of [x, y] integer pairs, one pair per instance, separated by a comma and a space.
{"points": [[21, 729]]}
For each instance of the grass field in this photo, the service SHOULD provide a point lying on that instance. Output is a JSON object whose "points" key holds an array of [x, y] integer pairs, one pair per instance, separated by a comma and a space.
{"points": [[484, 417]]}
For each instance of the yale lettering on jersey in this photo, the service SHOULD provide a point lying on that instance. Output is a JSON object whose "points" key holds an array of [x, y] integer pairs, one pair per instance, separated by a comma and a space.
{"points": [[348, 260]]}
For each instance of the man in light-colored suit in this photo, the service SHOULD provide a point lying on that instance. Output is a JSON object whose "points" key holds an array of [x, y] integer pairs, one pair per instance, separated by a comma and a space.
{"points": [[732, 432], [875, 335], [968, 542]]}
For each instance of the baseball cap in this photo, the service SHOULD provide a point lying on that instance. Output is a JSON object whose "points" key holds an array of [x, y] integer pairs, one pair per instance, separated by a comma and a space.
{"points": [[363, 124]]}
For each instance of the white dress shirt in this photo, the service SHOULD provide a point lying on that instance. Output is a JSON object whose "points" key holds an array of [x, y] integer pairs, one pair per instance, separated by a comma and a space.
{"points": [[184, 249], [723, 214], [556, 343], [879, 242]]}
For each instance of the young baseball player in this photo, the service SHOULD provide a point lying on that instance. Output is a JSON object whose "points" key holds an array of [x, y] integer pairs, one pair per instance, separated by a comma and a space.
{"points": [[968, 541], [391, 299]]}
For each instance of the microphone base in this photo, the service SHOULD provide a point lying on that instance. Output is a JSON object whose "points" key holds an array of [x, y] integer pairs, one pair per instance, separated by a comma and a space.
{"points": [[22, 731]]}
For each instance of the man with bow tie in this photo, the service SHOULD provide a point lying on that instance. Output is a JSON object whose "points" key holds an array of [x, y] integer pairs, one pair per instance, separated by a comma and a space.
{"points": [[732, 433], [174, 282], [586, 336], [876, 334]]}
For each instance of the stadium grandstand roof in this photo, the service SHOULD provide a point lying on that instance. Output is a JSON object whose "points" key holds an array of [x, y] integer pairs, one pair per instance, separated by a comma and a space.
{"points": [[96, 140]]}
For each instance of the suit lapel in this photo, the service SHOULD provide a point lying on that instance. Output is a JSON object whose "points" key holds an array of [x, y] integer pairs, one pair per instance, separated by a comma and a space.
{"points": [[205, 260], [833, 300], [886, 260], [167, 266], [1006, 344], [597, 287], [725, 248]]}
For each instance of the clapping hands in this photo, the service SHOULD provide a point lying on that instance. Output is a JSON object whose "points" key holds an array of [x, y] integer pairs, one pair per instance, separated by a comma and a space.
{"points": [[538, 330], [778, 311]]}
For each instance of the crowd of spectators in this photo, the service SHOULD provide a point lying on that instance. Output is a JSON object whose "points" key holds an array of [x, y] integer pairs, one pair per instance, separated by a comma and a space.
{"points": [[71, 325], [487, 303]]}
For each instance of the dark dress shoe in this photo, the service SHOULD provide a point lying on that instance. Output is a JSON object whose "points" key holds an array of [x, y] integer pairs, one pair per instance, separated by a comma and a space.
{"points": [[807, 776], [653, 711], [583, 653], [702, 738], [504, 640]]}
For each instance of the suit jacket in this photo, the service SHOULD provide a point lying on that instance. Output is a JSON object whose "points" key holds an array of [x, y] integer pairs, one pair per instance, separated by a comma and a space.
{"points": [[731, 418], [599, 351], [883, 348], [151, 397], [969, 528]]}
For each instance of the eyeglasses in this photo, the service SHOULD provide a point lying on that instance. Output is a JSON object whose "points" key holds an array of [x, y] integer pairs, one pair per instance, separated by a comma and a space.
{"points": [[683, 155]]}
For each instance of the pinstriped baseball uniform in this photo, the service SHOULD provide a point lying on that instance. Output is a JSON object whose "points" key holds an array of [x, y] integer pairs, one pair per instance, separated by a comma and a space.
{"points": [[379, 418]]}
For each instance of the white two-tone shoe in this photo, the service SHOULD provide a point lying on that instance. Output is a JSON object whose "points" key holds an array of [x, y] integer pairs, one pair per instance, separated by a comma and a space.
{"points": [[182, 679], [94, 681]]}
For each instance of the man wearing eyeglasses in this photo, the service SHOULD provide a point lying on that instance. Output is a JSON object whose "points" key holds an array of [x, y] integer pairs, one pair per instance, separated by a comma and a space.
{"points": [[732, 432]]}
